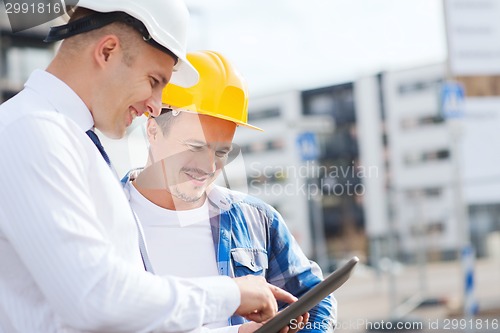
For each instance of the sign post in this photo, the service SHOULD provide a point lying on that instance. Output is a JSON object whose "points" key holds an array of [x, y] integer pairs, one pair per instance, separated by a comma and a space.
{"points": [[452, 109], [308, 148]]}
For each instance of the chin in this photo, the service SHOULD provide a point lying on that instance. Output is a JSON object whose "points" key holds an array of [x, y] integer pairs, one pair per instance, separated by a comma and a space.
{"points": [[189, 196], [192, 197]]}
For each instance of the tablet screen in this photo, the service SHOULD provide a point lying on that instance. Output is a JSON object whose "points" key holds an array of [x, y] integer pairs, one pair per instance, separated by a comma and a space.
{"points": [[307, 301]]}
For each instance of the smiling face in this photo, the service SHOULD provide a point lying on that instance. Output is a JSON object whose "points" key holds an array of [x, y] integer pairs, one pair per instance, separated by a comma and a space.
{"points": [[191, 154], [131, 87]]}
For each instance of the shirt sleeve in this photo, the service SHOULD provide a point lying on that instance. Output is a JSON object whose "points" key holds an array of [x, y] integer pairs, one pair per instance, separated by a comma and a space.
{"points": [[290, 269], [48, 217], [225, 329]]}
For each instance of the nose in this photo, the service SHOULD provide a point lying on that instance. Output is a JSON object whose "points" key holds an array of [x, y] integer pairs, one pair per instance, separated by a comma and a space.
{"points": [[153, 104], [208, 162]]}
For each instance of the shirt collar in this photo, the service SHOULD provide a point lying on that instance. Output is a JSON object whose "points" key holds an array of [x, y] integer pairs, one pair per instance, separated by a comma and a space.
{"points": [[61, 97], [220, 197]]}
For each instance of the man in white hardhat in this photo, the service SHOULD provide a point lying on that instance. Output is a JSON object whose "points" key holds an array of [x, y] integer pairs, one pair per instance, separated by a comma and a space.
{"points": [[72, 255]]}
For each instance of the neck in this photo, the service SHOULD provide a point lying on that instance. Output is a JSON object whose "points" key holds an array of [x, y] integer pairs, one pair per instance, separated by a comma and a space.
{"points": [[74, 76], [161, 198], [152, 185]]}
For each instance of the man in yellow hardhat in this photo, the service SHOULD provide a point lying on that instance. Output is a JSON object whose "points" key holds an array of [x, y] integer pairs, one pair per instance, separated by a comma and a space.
{"points": [[195, 228], [71, 255]]}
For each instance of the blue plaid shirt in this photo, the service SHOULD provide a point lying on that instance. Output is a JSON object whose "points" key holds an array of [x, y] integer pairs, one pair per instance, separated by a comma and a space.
{"points": [[250, 237]]}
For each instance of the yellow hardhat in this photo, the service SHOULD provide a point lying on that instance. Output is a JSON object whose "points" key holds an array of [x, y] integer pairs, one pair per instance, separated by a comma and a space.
{"points": [[220, 92]]}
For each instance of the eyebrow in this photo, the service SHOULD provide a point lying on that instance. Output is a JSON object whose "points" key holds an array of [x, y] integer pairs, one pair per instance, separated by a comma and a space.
{"points": [[203, 143], [195, 142]]}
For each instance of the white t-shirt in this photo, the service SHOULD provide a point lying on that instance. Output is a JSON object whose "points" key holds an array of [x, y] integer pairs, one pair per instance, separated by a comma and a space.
{"points": [[179, 243]]}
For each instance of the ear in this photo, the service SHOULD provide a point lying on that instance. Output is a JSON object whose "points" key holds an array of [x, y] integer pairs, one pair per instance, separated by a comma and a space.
{"points": [[106, 48], [153, 130]]}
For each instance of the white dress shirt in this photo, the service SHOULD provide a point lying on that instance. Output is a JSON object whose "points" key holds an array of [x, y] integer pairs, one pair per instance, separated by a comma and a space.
{"points": [[69, 256]]}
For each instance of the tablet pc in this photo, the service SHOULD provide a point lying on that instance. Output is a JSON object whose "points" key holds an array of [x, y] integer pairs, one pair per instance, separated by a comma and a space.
{"points": [[307, 301]]}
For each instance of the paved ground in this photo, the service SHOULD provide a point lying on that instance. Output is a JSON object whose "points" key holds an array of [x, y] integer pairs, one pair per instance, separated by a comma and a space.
{"points": [[367, 301]]}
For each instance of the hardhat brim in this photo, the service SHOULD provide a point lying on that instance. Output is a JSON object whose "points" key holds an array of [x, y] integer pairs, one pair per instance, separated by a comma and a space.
{"points": [[184, 74], [215, 115], [237, 122]]}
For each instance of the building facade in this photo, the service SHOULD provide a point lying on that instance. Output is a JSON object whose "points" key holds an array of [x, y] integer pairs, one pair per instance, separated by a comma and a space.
{"points": [[20, 54]]}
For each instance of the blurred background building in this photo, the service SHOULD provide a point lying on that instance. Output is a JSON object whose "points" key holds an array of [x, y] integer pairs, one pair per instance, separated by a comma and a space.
{"points": [[20, 53], [384, 167]]}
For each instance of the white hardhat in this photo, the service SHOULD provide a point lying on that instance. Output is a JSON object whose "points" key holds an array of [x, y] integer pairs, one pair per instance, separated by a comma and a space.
{"points": [[165, 20]]}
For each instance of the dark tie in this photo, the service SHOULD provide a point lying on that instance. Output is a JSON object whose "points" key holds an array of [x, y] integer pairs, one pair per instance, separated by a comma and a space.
{"points": [[142, 247], [97, 142]]}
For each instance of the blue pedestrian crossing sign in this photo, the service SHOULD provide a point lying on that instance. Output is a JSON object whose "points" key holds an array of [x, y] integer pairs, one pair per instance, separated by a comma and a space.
{"points": [[307, 146], [452, 100]]}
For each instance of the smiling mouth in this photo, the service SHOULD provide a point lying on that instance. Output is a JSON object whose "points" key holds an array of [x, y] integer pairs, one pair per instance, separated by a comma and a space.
{"points": [[199, 179], [197, 176]]}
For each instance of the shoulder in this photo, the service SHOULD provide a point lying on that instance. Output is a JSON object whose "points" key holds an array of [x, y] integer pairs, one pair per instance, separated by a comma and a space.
{"points": [[45, 103], [43, 130], [31, 134], [227, 199], [24, 112], [130, 176]]}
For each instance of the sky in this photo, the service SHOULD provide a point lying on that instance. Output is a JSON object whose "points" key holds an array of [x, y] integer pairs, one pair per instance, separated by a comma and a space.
{"points": [[282, 45]]}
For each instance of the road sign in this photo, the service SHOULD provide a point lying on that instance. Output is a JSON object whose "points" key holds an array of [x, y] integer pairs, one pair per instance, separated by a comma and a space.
{"points": [[452, 100], [307, 146]]}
